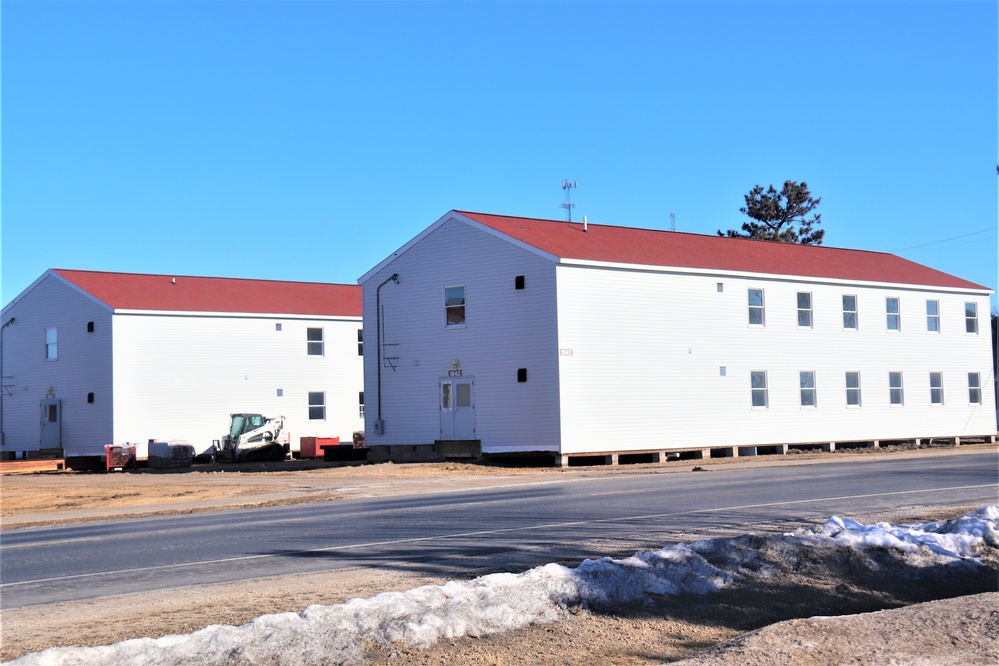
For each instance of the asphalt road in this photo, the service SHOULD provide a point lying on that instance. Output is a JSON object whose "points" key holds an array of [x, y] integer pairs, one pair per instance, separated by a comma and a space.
{"points": [[469, 533]]}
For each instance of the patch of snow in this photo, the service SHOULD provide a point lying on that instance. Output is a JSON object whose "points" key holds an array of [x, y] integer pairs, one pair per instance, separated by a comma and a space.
{"points": [[506, 601]]}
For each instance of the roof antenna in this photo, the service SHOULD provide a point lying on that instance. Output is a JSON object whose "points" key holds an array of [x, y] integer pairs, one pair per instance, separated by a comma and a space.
{"points": [[567, 185], [672, 221]]}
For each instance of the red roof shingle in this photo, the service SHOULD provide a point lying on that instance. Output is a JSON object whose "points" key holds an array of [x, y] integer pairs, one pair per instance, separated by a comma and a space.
{"points": [[134, 291], [650, 247]]}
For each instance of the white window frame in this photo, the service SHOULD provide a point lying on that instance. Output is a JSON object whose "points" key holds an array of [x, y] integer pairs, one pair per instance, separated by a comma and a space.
{"points": [[760, 308], [806, 311], [857, 389], [936, 389], [315, 347], [317, 401], [974, 388], [806, 385], [463, 306], [932, 316], [52, 344], [971, 318], [893, 317], [896, 389], [759, 393], [848, 312], [360, 403]]}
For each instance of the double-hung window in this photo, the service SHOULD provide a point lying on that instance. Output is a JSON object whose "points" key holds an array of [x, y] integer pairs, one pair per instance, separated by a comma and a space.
{"points": [[894, 317], [317, 406], [936, 388], [806, 382], [314, 341], [853, 389], [974, 388], [971, 317], [896, 397], [804, 309], [51, 344], [933, 316], [454, 306], [758, 386], [757, 315], [360, 403], [360, 342], [850, 312]]}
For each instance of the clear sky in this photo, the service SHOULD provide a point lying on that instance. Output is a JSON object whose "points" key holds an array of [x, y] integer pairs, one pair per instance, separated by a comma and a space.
{"points": [[309, 140]]}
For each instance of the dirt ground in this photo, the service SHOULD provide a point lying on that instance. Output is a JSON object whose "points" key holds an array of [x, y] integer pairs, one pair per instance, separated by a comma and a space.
{"points": [[763, 617]]}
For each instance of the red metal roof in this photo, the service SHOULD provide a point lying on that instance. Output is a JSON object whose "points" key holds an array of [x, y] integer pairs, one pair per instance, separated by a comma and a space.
{"points": [[649, 247], [133, 291]]}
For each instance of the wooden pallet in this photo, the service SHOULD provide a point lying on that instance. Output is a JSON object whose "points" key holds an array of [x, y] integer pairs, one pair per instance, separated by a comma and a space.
{"points": [[31, 466]]}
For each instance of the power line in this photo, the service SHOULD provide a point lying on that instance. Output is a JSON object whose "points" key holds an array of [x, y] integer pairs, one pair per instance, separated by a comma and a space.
{"points": [[945, 240]]}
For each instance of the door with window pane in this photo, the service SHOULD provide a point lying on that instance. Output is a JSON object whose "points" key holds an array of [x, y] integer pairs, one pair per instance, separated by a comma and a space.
{"points": [[457, 408], [51, 430]]}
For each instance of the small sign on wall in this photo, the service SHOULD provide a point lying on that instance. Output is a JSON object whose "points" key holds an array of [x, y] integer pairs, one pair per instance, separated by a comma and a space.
{"points": [[454, 373], [565, 352]]}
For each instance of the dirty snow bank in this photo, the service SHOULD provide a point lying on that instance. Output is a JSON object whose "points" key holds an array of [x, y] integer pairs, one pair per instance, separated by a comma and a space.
{"points": [[504, 602]]}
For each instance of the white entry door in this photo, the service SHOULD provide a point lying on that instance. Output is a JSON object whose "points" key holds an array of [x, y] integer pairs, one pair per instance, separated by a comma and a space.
{"points": [[457, 404], [51, 424]]}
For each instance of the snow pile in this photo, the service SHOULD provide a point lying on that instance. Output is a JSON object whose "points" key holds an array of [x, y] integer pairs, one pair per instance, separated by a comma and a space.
{"points": [[504, 602]]}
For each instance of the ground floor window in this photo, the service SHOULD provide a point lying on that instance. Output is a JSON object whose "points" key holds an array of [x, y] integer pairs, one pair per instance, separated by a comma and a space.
{"points": [[806, 382], [895, 394], [758, 384], [974, 388], [853, 389], [936, 388], [317, 406]]}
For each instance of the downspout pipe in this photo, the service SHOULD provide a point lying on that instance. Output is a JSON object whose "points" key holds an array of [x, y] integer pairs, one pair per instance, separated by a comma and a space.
{"points": [[379, 424], [2, 387]]}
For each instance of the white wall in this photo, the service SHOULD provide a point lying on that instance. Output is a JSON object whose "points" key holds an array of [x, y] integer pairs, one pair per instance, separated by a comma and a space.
{"points": [[83, 366], [179, 377], [647, 348], [506, 329]]}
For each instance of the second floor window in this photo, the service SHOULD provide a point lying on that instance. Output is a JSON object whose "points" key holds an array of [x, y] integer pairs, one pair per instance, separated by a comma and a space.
{"points": [[893, 314], [971, 317], [804, 310], [314, 337], [850, 312], [51, 344], [933, 316], [756, 313], [454, 306]]}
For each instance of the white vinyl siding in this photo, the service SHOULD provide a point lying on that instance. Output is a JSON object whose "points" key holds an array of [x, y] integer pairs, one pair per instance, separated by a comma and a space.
{"points": [[680, 331], [207, 367], [505, 329]]}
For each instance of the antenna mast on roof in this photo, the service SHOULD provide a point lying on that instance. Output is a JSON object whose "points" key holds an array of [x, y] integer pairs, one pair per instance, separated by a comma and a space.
{"points": [[672, 221], [567, 185]]}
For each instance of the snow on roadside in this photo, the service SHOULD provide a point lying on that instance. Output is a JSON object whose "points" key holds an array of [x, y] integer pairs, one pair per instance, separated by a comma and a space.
{"points": [[505, 601]]}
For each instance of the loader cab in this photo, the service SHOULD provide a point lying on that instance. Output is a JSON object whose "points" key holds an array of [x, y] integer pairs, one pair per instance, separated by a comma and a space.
{"points": [[241, 423]]}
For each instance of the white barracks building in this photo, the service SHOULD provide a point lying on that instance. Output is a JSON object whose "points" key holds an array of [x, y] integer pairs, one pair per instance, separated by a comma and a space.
{"points": [[94, 358], [513, 336]]}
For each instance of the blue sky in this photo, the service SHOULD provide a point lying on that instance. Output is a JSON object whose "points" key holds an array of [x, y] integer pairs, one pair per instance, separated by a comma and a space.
{"points": [[308, 140]]}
